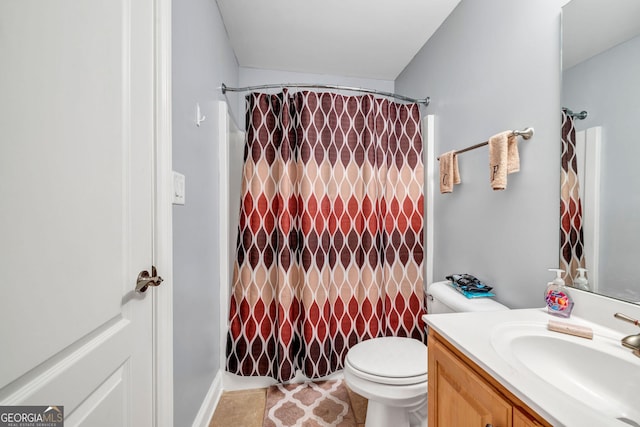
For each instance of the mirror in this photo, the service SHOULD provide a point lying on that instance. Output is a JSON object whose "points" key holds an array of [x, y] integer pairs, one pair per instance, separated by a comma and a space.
{"points": [[601, 75]]}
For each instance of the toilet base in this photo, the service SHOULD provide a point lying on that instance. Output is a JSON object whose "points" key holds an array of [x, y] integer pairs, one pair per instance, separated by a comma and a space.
{"points": [[381, 415]]}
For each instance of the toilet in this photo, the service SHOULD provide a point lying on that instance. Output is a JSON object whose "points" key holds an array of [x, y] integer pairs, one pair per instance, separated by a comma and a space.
{"points": [[392, 371]]}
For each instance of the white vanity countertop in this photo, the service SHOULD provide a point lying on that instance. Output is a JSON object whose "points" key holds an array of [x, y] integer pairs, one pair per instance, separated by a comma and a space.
{"points": [[471, 334]]}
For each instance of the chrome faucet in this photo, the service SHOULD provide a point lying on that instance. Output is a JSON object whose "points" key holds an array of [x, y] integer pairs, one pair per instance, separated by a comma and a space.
{"points": [[632, 341]]}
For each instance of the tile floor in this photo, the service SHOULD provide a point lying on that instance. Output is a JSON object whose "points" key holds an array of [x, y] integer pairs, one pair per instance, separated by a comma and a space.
{"points": [[245, 408]]}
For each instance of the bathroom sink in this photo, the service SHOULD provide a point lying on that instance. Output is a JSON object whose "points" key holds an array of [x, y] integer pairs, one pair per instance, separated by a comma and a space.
{"points": [[598, 373]]}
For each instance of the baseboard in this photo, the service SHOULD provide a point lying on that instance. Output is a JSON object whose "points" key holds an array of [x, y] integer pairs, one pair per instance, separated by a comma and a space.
{"points": [[210, 402]]}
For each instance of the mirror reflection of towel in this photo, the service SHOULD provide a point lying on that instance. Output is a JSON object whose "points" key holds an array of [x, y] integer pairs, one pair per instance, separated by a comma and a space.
{"points": [[449, 173], [503, 158]]}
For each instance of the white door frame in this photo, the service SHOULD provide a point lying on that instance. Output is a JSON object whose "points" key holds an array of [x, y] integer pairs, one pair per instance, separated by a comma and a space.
{"points": [[588, 147], [163, 230]]}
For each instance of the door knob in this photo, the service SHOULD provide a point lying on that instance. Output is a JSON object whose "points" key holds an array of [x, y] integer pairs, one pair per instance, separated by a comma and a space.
{"points": [[145, 280]]}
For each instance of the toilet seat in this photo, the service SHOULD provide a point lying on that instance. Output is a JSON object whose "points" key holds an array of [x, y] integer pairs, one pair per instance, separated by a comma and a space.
{"points": [[389, 360]]}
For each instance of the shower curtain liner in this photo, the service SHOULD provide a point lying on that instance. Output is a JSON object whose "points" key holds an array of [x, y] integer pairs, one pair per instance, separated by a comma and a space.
{"points": [[330, 241], [571, 234]]}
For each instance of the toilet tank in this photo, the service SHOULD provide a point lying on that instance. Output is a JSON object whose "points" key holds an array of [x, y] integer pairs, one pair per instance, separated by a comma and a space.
{"points": [[443, 298]]}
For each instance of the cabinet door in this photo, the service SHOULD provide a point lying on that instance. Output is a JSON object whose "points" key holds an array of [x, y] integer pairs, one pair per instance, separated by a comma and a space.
{"points": [[520, 419], [459, 397]]}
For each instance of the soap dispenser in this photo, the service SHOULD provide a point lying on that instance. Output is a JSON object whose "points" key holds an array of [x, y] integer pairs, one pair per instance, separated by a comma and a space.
{"points": [[581, 281], [559, 302]]}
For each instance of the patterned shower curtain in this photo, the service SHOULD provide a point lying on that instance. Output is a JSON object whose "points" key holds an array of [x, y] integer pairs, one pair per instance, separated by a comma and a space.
{"points": [[571, 235], [330, 241]]}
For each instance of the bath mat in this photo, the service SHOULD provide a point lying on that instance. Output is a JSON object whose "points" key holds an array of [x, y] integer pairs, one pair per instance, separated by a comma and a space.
{"points": [[309, 404]]}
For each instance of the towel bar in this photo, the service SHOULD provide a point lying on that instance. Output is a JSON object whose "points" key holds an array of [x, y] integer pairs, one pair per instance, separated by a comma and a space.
{"points": [[525, 134]]}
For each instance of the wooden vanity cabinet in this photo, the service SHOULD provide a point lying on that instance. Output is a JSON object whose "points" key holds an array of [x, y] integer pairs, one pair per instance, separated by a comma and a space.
{"points": [[462, 394], [522, 419]]}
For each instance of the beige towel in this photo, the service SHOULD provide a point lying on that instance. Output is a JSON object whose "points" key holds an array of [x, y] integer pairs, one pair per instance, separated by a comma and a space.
{"points": [[449, 173], [503, 158]]}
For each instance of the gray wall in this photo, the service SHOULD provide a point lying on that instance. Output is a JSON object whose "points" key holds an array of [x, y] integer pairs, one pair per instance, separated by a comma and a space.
{"points": [[608, 87], [202, 59], [495, 65]]}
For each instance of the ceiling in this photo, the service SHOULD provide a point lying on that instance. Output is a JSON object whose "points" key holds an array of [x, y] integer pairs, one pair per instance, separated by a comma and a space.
{"points": [[593, 26], [373, 39]]}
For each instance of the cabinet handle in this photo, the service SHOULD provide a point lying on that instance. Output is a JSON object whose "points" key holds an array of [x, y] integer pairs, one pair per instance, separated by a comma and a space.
{"points": [[489, 425]]}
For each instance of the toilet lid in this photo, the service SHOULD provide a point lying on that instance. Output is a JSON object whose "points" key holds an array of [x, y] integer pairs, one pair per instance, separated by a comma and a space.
{"points": [[390, 357]]}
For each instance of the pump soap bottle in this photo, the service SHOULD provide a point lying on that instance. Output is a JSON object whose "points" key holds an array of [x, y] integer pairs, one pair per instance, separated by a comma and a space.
{"points": [[559, 302], [581, 281]]}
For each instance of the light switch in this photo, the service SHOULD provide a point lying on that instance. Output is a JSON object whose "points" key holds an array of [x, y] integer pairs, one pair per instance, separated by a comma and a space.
{"points": [[178, 188]]}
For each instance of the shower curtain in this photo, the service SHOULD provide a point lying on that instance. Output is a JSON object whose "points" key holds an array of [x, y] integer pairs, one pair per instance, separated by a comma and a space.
{"points": [[330, 241], [571, 234]]}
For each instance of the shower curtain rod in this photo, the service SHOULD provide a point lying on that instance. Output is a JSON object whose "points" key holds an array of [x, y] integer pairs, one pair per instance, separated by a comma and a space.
{"points": [[580, 116], [225, 89]]}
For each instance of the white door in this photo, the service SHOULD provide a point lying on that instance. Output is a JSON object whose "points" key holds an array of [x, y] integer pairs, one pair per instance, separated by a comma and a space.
{"points": [[76, 214]]}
